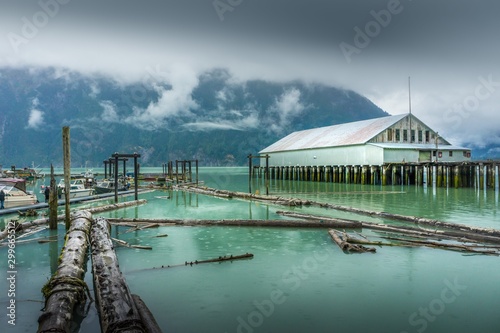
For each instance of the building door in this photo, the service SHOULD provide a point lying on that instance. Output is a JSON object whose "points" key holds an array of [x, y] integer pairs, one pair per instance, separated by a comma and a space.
{"points": [[425, 156]]}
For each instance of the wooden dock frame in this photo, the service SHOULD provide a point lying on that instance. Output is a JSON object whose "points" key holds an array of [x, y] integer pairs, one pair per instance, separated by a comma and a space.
{"points": [[479, 175]]}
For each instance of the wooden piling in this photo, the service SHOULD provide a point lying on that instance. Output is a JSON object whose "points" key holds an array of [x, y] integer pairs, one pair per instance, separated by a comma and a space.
{"points": [[67, 172], [52, 200]]}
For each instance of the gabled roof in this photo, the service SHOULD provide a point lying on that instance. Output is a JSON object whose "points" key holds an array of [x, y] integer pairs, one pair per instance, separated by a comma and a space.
{"points": [[358, 132]]}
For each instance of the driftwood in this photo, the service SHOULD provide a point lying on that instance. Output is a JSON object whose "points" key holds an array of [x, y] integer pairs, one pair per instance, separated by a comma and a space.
{"points": [[325, 223], [446, 246], [443, 232], [141, 227], [344, 245], [147, 317], [39, 239], [117, 309], [218, 259], [100, 209], [66, 288], [385, 215], [124, 243]]}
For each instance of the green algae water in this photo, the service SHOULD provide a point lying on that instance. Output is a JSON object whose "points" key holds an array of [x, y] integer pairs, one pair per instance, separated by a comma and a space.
{"points": [[298, 279]]}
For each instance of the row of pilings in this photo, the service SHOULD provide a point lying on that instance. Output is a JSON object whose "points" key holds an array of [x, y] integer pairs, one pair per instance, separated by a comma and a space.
{"points": [[480, 175]]}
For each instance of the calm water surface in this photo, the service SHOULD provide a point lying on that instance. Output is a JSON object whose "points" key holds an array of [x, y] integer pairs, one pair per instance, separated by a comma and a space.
{"points": [[298, 280]]}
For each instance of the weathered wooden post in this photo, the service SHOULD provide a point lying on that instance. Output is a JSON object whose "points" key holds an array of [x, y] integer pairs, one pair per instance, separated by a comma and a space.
{"points": [[496, 179], [115, 155], [67, 173], [196, 172], [456, 176], [267, 174], [250, 173], [176, 171], [52, 201], [105, 169], [136, 177]]}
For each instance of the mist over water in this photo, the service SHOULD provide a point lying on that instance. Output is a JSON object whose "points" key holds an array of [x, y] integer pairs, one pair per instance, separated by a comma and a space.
{"points": [[298, 280]]}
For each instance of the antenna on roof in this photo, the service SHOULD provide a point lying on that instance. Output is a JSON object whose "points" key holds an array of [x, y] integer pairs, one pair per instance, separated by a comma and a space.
{"points": [[409, 104], [409, 95]]}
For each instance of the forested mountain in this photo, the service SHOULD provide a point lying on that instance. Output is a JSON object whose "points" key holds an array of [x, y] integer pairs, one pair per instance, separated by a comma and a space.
{"points": [[210, 117]]}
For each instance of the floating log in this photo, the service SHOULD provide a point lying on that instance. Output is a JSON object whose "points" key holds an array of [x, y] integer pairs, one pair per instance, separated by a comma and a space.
{"points": [[218, 259], [347, 247], [39, 239], [443, 232], [117, 309], [29, 212], [66, 288], [147, 317], [139, 227], [300, 202], [325, 223], [124, 243], [93, 210], [446, 246]]}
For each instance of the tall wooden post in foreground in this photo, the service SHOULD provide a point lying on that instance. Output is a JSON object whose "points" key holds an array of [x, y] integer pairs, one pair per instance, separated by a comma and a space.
{"points": [[52, 201], [67, 173]]}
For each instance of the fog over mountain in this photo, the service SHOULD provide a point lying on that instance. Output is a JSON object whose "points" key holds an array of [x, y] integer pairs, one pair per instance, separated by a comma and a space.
{"points": [[210, 117]]}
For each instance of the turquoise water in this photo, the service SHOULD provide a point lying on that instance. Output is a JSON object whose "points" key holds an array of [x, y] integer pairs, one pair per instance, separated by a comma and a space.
{"points": [[298, 280]]}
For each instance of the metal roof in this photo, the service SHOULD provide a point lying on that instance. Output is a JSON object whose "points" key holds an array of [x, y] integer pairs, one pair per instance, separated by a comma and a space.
{"points": [[353, 133]]}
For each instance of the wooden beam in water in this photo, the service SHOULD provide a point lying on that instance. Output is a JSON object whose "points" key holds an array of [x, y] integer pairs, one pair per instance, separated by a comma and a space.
{"points": [[66, 288], [117, 309]]}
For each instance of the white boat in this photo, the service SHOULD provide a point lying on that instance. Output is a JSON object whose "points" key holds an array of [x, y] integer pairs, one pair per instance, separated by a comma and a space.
{"points": [[108, 186], [77, 188], [15, 193]]}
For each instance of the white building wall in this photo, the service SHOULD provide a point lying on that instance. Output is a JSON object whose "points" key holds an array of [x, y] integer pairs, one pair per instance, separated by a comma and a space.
{"points": [[400, 155], [346, 155]]}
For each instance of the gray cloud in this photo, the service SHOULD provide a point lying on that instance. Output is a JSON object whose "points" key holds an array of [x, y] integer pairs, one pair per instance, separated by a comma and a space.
{"points": [[444, 45]]}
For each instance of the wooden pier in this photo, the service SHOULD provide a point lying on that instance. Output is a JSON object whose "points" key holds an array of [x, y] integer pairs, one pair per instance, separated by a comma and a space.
{"points": [[479, 175]]}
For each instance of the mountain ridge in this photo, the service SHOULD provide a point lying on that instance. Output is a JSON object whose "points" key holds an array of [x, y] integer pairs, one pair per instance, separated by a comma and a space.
{"points": [[210, 117]]}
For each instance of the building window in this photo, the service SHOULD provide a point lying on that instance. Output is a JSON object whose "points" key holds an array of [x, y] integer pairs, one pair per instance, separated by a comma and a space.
{"points": [[451, 153], [398, 138], [389, 135], [412, 137], [419, 136], [427, 133], [434, 153], [405, 135]]}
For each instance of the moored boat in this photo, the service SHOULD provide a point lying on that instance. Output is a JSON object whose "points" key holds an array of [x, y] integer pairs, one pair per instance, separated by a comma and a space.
{"points": [[108, 185], [77, 188], [15, 193]]}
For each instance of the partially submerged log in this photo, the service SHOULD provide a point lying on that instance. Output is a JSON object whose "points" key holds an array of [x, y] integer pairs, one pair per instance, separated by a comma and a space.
{"points": [[442, 232], [385, 215], [124, 243], [446, 246], [117, 309], [344, 245], [218, 259], [100, 209], [147, 317], [66, 288], [324, 223]]}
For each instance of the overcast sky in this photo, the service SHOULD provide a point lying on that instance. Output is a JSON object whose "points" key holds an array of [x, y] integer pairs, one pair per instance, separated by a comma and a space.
{"points": [[451, 49]]}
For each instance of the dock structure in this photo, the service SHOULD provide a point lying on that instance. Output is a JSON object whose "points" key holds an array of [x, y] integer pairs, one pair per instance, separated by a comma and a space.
{"points": [[479, 175], [392, 150]]}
